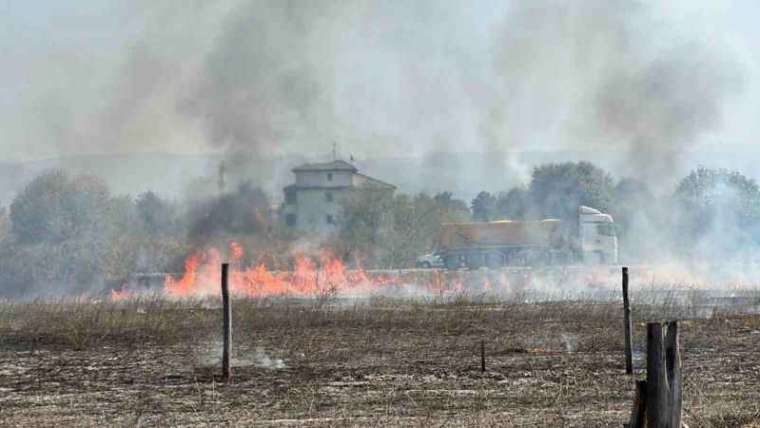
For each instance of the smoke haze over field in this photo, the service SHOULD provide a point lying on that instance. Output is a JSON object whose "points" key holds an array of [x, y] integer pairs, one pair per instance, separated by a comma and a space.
{"points": [[255, 79]]}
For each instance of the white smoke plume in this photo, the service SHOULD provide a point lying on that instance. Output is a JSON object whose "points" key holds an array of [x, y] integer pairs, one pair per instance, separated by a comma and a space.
{"points": [[212, 356], [264, 78]]}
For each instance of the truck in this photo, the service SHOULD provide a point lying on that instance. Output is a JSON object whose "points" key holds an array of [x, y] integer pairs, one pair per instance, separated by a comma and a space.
{"points": [[495, 244]]}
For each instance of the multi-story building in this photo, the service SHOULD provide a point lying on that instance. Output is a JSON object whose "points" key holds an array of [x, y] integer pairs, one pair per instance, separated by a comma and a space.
{"points": [[313, 203]]}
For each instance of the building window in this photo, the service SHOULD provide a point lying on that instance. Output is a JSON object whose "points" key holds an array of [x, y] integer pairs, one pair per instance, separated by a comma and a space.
{"points": [[606, 229], [290, 196], [330, 219], [290, 220], [329, 176], [328, 197]]}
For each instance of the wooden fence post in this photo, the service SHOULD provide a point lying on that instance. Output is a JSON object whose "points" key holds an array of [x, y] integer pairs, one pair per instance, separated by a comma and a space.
{"points": [[638, 415], [628, 327], [227, 320], [673, 361], [663, 391], [483, 356]]}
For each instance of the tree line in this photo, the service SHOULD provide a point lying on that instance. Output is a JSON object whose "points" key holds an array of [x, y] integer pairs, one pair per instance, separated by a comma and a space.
{"points": [[711, 214], [67, 233]]}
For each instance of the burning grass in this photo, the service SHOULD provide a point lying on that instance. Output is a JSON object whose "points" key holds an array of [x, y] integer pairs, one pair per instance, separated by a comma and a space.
{"points": [[356, 362], [311, 276], [325, 276]]}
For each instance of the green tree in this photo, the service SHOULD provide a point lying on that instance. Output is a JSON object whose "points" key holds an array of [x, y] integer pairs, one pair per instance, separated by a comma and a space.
{"points": [[416, 222], [5, 224], [557, 189], [69, 235], [514, 204], [363, 219], [451, 209], [719, 209], [484, 207], [61, 231], [55, 207], [388, 231], [156, 216]]}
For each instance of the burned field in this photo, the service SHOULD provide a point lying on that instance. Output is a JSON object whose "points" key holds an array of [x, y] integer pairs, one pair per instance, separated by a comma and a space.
{"points": [[359, 362]]}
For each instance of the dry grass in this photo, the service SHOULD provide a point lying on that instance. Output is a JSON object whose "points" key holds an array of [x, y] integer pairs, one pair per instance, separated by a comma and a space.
{"points": [[348, 363]]}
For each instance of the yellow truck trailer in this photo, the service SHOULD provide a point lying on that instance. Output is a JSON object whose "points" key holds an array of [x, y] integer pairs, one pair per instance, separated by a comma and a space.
{"points": [[524, 243]]}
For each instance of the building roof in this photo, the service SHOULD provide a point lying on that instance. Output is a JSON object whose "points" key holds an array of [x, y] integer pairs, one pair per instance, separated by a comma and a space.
{"points": [[317, 187], [336, 165], [374, 183], [358, 181]]}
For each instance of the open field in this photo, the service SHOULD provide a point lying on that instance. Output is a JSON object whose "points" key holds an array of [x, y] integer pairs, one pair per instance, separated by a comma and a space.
{"points": [[359, 362]]}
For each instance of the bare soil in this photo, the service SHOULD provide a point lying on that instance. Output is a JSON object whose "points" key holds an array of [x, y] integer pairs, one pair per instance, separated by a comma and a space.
{"points": [[357, 363]]}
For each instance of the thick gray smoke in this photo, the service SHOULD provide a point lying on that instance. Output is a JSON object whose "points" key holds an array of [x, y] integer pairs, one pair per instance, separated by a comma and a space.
{"points": [[291, 77], [607, 75], [463, 89], [261, 79], [661, 108]]}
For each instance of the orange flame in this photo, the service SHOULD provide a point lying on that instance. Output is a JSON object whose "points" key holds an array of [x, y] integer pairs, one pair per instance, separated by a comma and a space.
{"points": [[118, 295], [203, 270], [328, 275], [309, 278]]}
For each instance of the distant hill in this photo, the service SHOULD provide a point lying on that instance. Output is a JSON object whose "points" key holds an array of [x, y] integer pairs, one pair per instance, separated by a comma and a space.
{"points": [[464, 174], [125, 174], [467, 174]]}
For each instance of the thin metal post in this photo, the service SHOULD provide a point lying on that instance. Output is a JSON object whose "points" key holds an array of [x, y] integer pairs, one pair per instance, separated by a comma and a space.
{"points": [[483, 356], [227, 320], [628, 326]]}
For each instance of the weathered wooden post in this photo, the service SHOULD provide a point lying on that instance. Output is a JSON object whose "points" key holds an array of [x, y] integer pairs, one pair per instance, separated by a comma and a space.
{"points": [[627, 325], [658, 399], [638, 415], [657, 382], [673, 362], [227, 320], [483, 356], [663, 384]]}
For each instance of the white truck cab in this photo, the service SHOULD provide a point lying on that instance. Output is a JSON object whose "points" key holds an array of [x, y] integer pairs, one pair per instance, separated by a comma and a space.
{"points": [[598, 237]]}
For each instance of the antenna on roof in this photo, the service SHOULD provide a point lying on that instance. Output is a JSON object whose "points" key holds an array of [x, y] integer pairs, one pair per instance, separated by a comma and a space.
{"points": [[334, 151]]}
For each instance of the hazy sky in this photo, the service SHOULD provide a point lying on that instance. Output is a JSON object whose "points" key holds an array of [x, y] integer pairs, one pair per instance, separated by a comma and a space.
{"points": [[404, 78]]}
